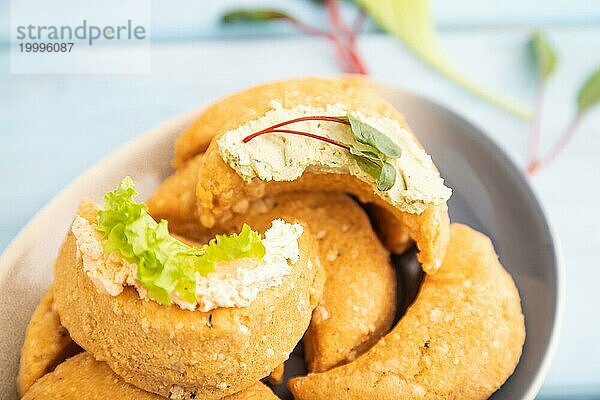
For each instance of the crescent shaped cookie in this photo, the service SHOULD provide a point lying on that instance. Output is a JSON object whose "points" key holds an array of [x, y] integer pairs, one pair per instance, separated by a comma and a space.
{"points": [[234, 172], [173, 352], [359, 298], [460, 339], [47, 343], [82, 377], [175, 201]]}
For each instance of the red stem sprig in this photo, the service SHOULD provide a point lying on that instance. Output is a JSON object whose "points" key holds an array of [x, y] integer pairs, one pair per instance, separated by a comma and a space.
{"points": [[346, 37], [274, 129], [299, 133], [559, 146], [373, 161], [339, 34]]}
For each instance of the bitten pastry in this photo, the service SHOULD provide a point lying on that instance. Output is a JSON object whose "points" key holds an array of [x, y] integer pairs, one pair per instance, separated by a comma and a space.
{"points": [[359, 299], [47, 343], [461, 338], [82, 377], [179, 321], [318, 134]]}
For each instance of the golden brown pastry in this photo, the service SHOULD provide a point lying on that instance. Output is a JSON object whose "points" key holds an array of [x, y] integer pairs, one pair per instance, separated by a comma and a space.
{"points": [[175, 201], [82, 377], [173, 352], [359, 299], [230, 179], [276, 376], [461, 338], [392, 233], [46, 344]]}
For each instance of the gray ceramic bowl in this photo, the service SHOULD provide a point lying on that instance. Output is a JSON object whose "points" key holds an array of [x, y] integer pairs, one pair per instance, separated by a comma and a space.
{"points": [[489, 194]]}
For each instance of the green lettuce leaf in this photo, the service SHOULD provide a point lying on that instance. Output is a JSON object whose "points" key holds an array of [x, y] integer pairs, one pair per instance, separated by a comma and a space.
{"points": [[165, 265]]}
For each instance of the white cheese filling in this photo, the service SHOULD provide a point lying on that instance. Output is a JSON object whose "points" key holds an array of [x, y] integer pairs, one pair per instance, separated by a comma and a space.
{"points": [[233, 284], [285, 157]]}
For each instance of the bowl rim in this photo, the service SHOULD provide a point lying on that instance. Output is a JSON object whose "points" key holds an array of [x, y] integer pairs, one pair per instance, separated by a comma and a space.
{"points": [[556, 249]]}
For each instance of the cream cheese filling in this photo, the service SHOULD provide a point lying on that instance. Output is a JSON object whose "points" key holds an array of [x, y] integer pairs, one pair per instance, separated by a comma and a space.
{"points": [[285, 157], [233, 284]]}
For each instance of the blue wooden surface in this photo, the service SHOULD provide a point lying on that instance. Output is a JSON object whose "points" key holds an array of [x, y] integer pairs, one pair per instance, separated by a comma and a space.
{"points": [[192, 19], [54, 127]]}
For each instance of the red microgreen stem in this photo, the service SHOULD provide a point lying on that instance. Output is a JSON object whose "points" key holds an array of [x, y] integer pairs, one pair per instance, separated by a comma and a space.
{"points": [[339, 48], [359, 22], [292, 121], [338, 24], [300, 133], [273, 129], [560, 145], [535, 136], [345, 37], [308, 29], [306, 134]]}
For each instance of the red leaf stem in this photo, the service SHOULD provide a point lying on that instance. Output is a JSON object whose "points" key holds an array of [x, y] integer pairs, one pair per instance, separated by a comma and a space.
{"points": [[535, 136], [344, 35], [300, 133], [560, 145], [299, 119], [339, 48], [359, 22]]}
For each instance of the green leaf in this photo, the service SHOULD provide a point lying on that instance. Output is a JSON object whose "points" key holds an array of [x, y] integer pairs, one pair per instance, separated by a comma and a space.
{"points": [[543, 55], [369, 135], [371, 155], [387, 177], [411, 22], [382, 171], [253, 15], [369, 166], [589, 94], [165, 265]]}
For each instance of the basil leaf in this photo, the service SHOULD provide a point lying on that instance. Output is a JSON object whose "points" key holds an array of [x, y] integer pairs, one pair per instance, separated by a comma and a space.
{"points": [[253, 15], [543, 55], [372, 168], [366, 154], [387, 177], [367, 134], [374, 165], [589, 94]]}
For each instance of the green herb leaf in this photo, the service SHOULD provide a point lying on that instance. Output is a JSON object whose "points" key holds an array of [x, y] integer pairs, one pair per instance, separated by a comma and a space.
{"points": [[387, 178], [369, 166], [253, 15], [369, 135], [589, 94], [411, 22], [364, 153], [543, 55], [165, 265], [382, 171]]}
